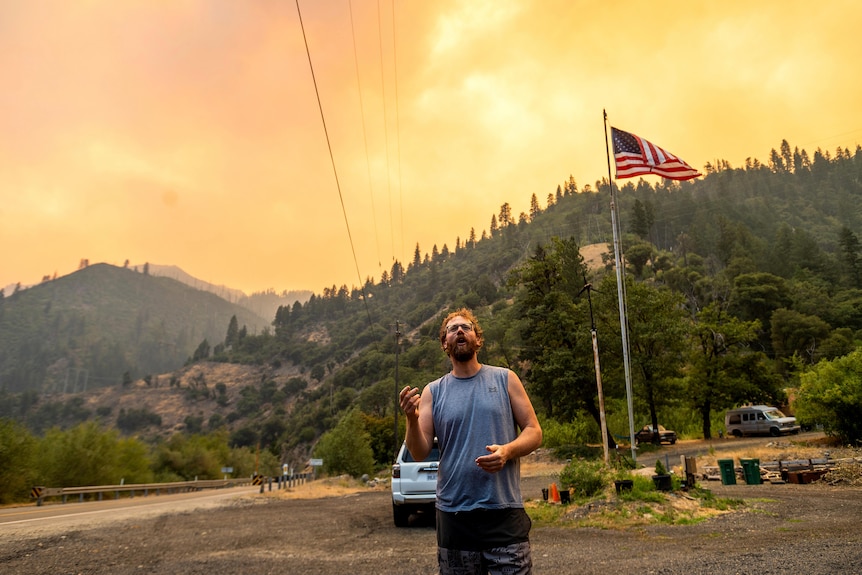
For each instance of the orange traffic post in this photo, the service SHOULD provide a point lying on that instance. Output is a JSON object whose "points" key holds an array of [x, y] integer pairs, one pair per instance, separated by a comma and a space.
{"points": [[555, 493]]}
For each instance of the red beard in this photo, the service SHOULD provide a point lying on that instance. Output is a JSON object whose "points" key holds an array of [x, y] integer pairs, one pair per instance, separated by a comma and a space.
{"points": [[465, 352]]}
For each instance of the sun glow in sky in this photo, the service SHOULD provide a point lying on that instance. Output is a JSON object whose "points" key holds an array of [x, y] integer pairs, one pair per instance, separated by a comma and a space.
{"points": [[188, 132]]}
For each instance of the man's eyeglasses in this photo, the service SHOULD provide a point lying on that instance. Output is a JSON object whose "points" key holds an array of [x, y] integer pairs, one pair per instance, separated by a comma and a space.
{"points": [[456, 326]]}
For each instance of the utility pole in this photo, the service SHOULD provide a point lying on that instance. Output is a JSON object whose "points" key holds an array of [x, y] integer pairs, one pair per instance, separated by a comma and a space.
{"points": [[594, 336], [621, 297], [397, 403]]}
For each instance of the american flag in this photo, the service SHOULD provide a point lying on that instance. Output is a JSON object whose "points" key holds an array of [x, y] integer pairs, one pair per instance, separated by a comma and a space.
{"points": [[635, 156]]}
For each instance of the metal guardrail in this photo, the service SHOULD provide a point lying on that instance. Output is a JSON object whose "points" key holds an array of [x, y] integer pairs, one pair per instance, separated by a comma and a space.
{"points": [[40, 493]]}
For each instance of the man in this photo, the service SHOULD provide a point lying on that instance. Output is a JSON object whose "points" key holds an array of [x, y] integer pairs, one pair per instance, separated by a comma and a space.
{"points": [[475, 411]]}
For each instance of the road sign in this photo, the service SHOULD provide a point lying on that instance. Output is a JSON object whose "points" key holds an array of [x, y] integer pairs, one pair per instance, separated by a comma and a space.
{"points": [[315, 462]]}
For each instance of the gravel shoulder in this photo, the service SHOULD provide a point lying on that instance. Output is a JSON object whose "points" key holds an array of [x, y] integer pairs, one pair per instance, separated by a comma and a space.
{"points": [[808, 529], [781, 528]]}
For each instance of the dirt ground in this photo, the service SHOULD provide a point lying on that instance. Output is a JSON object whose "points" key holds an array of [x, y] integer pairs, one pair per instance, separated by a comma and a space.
{"points": [[332, 528]]}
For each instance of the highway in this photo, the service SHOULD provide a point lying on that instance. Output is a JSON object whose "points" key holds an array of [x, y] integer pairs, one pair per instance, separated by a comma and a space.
{"points": [[54, 515]]}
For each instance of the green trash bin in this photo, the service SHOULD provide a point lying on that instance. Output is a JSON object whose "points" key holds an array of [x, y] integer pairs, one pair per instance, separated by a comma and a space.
{"points": [[728, 474], [751, 471]]}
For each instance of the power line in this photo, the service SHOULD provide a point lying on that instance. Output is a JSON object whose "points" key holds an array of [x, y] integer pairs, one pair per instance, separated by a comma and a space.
{"points": [[398, 128], [365, 138], [832, 137], [385, 130], [332, 160]]}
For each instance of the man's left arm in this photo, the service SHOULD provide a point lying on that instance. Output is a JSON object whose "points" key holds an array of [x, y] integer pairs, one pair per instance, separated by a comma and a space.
{"points": [[527, 441]]}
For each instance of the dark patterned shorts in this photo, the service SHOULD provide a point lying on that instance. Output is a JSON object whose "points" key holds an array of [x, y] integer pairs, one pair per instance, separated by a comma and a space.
{"points": [[514, 559]]}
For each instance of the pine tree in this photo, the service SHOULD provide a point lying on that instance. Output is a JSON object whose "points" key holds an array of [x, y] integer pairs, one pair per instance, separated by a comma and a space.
{"points": [[232, 337], [505, 216], [535, 210], [850, 255], [417, 258]]}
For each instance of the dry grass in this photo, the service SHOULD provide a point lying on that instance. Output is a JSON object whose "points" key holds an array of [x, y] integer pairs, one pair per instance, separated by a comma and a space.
{"points": [[327, 487], [173, 403], [593, 255]]}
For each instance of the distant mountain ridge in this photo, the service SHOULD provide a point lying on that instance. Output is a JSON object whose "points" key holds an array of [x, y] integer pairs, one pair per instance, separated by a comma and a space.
{"points": [[91, 327], [264, 304], [177, 273]]}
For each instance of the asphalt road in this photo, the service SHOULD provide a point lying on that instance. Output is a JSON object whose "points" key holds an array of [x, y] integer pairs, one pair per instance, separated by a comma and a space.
{"points": [[811, 529], [54, 515]]}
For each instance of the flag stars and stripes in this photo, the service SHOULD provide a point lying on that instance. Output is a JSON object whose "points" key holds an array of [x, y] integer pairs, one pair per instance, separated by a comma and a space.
{"points": [[635, 156]]}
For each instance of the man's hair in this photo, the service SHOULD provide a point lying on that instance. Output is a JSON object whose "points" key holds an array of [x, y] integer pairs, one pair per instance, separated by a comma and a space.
{"points": [[468, 315]]}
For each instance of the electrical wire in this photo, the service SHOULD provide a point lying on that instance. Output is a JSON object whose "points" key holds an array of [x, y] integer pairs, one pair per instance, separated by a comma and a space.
{"points": [[365, 138], [398, 128], [334, 170], [385, 130]]}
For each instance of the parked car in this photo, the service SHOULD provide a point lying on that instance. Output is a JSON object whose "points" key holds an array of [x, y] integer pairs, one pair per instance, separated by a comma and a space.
{"points": [[646, 434], [414, 484], [759, 420]]}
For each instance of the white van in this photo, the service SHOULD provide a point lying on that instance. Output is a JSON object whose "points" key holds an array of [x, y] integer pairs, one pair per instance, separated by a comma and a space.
{"points": [[758, 420]]}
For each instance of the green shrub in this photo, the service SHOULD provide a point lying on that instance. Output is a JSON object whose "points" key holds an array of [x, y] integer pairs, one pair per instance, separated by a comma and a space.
{"points": [[132, 420], [578, 451], [192, 456], [644, 490], [830, 394], [87, 455], [17, 447], [347, 447], [556, 434], [585, 478]]}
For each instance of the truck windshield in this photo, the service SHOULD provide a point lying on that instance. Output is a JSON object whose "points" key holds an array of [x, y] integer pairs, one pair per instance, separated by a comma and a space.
{"points": [[773, 414]]}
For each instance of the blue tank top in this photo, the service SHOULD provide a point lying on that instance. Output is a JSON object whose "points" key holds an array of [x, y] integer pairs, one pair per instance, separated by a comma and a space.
{"points": [[470, 413]]}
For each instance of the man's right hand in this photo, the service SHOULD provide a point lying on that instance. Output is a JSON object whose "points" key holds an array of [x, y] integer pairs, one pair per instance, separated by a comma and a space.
{"points": [[409, 399], [420, 427]]}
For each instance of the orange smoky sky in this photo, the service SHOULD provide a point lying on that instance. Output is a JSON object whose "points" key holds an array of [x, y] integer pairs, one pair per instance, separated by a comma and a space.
{"points": [[188, 132]]}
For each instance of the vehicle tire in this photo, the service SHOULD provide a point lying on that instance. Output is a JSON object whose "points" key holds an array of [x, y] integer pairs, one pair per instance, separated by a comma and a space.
{"points": [[774, 432], [737, 433], [673, 441], [401, 515]]}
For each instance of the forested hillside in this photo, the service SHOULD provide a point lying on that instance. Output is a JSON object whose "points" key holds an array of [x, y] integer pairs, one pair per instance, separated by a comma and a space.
{"points": [[103, 324], [736, 284]]}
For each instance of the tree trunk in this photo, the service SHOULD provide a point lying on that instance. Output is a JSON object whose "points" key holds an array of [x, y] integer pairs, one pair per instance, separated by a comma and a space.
{"points": [[594, 412], [705, 410]]}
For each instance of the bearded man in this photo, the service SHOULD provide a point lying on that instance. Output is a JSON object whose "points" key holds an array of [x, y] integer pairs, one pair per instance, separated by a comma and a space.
{"points": [[484, 423]]}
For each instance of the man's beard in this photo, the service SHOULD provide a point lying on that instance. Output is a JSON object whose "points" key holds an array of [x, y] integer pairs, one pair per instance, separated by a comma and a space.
{"points": [[463, 353]]}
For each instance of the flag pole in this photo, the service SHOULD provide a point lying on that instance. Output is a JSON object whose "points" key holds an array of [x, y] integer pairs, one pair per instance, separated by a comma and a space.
{"points": [[621, 286]]}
